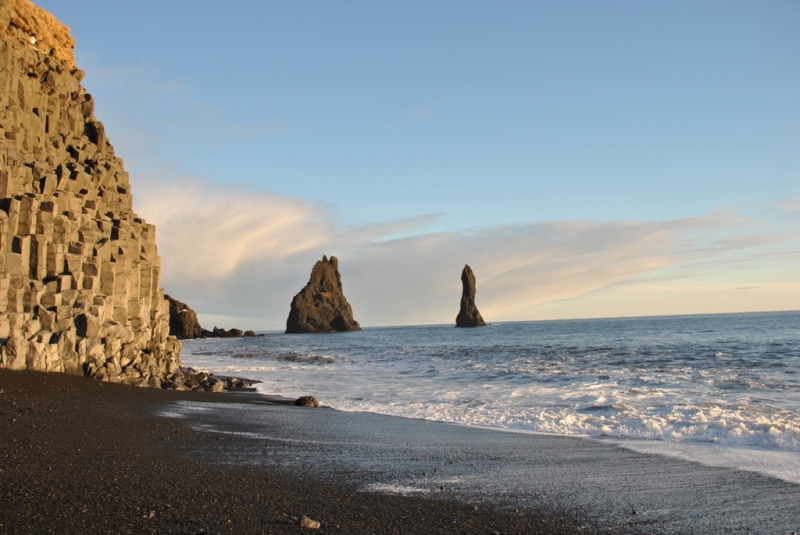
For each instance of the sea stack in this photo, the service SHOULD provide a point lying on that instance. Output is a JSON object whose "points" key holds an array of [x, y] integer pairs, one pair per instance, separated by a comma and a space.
{"points": [[468, 316], [321, 307], [79, 270]]}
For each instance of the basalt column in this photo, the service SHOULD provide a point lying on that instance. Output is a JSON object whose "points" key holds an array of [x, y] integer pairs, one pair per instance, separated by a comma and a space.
{"points": [[79, 270]]}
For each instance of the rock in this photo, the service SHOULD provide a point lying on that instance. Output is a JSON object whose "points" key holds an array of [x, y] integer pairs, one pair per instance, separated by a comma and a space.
{"points": [[218, 332], [468, 316], [321, 307], [307, 401], [306, 522], [183, 323], [79, 269], [215, 386], [235, 382], [249, 334]]}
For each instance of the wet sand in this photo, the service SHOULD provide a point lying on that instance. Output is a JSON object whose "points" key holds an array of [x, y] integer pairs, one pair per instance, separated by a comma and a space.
{"points": [[595, 483], [80, 456]]}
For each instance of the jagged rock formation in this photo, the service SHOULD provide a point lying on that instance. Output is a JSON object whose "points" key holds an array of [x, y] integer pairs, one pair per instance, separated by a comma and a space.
{"points": [[321, 307], [468, 316], [183, 324], [79, 270]]}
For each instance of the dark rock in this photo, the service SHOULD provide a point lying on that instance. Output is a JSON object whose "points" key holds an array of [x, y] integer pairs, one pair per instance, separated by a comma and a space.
{"points": [[235, 382], [222, 333], [183, 322], [249, 334], [307, 401], [321, 307], [468, 316]]}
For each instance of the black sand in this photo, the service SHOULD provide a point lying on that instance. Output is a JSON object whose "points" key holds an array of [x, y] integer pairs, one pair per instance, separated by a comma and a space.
{"points": [[79, 456]]}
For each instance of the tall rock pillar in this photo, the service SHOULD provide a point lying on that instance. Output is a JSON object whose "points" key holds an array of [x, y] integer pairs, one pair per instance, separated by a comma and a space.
{"points": [[468, 315]]}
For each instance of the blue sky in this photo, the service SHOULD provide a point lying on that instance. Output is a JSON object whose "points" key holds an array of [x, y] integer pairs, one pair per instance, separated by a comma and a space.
{"points": [[586, 158]]}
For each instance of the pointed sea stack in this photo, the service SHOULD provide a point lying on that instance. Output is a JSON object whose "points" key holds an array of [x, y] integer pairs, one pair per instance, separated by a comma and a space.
{"points": [[468, 316], [321, 307]]}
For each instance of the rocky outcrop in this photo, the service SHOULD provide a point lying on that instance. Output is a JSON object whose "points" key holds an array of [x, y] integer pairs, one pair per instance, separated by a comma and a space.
{"points": [[321, 307], [183, 324], [468, 316], [79, 270]]}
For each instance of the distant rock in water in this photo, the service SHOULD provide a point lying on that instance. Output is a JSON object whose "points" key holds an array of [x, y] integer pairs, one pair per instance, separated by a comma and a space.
{"points": [[183, 324], [321, 307], [468, 316]]}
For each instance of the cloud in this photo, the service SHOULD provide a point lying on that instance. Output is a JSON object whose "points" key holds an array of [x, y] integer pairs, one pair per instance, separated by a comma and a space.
{"points": [[418, 112], [235, 252]]}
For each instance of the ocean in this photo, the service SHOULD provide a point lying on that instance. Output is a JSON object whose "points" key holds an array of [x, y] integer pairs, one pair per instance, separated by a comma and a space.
{"points": [[722, 390]]}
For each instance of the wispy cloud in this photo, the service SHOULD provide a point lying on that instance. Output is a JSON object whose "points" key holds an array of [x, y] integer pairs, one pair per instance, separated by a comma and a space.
{"points": [[236, 252]]}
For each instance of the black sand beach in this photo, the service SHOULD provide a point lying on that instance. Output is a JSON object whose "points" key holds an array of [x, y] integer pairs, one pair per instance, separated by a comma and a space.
{"points": [[79, 456]]}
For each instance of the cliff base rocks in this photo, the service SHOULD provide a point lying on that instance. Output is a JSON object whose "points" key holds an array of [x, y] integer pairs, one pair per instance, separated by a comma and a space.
{"points": [[320, 307], [468, 316]]}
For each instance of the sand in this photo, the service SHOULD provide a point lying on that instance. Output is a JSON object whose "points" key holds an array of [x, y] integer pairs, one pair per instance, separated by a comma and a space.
{"points": [[79, 456]]}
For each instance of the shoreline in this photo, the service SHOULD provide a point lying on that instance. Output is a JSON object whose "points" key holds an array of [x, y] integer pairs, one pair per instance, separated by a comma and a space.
{"points": [[83, 456], [608, 488], [259, 463]]}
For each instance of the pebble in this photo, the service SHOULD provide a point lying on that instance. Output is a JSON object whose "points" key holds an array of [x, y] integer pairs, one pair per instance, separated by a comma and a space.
{"points": [[306, 522]]}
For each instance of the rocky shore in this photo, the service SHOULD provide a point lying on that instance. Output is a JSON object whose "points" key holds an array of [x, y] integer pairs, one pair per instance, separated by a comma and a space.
{"points": [[89, 457]]}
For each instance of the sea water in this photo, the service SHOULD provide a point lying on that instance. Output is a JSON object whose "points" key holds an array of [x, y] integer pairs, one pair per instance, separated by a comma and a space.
{"points": [[722, 390]]}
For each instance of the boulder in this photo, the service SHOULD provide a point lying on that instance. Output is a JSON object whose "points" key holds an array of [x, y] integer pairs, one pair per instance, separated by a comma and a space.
{"points": [[321, 307], [306, 401], [468, 316]]}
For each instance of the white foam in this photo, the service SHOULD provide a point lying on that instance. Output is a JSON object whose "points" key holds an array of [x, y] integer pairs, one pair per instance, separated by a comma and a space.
{"points": [[670, 390], [780, 464], [384, 488]]}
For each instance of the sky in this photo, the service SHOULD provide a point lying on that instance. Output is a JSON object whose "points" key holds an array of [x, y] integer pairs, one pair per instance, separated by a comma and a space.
{"points": [[586, 159]]}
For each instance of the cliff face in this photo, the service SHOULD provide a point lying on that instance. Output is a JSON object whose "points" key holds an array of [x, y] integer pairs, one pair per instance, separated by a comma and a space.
{"points": [[79, 271]]}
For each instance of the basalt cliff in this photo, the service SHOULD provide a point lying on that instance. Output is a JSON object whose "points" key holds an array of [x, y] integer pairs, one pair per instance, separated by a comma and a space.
{"points": [[79, 270]]}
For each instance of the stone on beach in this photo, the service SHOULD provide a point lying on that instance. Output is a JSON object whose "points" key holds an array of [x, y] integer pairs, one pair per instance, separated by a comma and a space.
{"points": [[306, 401], [468, 315], [321, 307], [306, 522]]}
